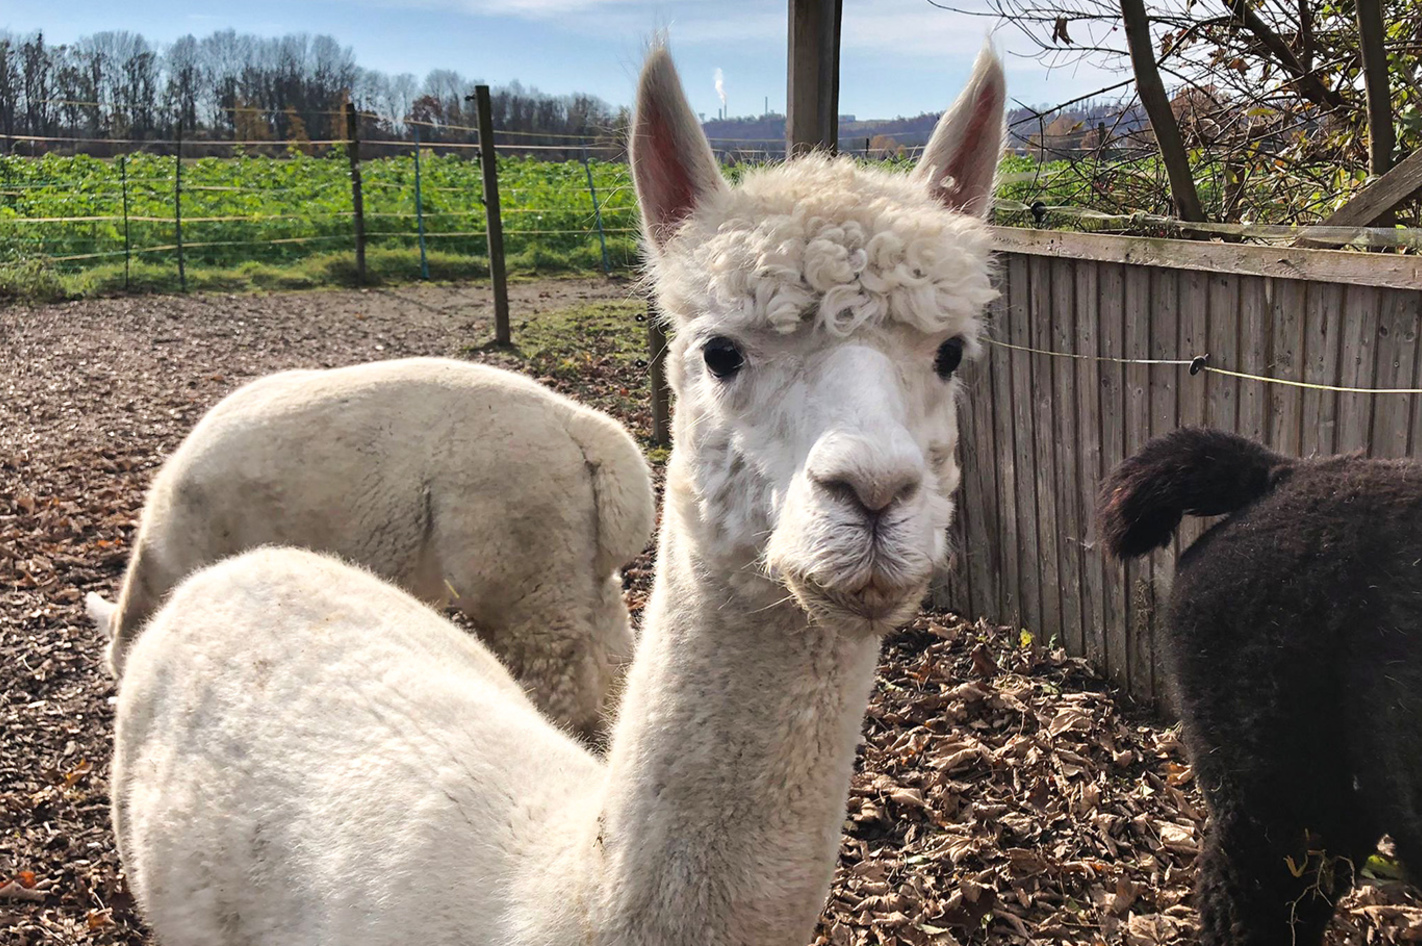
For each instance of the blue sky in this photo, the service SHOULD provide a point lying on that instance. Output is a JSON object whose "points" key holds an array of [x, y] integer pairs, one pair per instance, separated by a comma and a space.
{"points": [[899, 57]]}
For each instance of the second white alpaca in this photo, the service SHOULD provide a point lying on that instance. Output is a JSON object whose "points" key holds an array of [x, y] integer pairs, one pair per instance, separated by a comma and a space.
{"points": [[462, 483]]}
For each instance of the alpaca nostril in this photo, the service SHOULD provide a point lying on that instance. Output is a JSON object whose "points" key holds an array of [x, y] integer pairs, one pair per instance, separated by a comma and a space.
{"points": [[872, 495], [843, 491]]}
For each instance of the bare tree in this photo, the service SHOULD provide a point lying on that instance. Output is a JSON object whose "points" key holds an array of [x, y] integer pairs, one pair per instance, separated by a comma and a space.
{"points": [[1269, 95], [1162, 118]]}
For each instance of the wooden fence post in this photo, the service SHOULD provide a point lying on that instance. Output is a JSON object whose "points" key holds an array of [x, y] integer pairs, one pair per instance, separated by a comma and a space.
{"points": [[656, 361], [357, 203], [178, 206], [493, 222], [812, 115]]}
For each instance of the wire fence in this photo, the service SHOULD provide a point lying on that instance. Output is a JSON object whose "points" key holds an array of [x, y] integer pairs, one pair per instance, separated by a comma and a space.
{"points": [[298, 198], [566, 201]]}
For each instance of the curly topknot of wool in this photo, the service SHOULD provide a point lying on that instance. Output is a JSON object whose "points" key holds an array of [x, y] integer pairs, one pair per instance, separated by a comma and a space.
{"points": [[827, 242]]}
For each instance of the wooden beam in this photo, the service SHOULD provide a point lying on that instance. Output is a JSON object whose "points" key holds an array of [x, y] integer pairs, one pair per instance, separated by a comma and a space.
{"points": [[1332, 266], [1376, 200], [812, 107]]}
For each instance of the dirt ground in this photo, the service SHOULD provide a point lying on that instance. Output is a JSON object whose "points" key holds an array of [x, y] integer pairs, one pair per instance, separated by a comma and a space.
{"points": [[1003, 794]]}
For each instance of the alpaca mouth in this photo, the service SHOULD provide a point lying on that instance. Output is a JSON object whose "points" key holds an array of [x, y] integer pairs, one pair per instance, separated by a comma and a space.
{"points": [[883, 605]]}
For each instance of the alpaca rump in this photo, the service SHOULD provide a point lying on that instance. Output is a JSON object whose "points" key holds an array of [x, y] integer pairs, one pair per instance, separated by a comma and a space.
{"points": [[463, 484], [306, 756], [1293, 640]]}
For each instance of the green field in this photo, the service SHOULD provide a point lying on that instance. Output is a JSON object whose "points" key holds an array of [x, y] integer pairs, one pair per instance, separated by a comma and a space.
{"points": [[278, 222], [286, 222]]}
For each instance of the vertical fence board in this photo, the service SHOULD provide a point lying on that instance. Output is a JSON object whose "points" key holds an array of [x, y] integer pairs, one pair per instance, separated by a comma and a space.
{"points": [[1194, 341], [1164, 417], [1396, 364], [1089, 428], [1222, 392], [1010, 587], [1071, 518], [1028, 573], [1288, 317], [1140, 573], [1255, 324], [977, 456], [1044, 454], [1323, 329], [1412, 302], [955, 586], [965, 522], [1113, 450], [1355, 366]]}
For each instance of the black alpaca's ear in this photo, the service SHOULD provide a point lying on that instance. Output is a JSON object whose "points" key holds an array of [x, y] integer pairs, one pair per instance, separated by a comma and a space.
{"points": [[673, 166], [959, 164]]}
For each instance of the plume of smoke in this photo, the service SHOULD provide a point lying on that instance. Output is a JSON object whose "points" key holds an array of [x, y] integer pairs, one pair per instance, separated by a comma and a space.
{"points": [[721, 86]]}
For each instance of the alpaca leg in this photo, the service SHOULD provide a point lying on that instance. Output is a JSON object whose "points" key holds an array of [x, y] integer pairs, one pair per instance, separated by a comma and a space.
{"points": [[564, 671], [1266, 881]]}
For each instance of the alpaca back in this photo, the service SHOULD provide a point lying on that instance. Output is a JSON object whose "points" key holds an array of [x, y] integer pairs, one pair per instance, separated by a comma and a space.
{"points": [[459, 482], [363, 741], [1293, 634], [1313, 592]]}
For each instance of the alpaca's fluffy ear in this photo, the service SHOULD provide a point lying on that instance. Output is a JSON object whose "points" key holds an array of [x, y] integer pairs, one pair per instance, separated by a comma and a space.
{"points": [[672, 163], [959, 164]]}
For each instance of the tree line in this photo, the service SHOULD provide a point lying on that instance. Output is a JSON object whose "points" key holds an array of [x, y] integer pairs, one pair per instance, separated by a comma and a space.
{"points": [[236, 86]]}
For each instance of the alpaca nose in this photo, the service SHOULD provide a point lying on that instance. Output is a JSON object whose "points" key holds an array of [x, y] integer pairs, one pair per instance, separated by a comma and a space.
{"points": [[871, 475]]}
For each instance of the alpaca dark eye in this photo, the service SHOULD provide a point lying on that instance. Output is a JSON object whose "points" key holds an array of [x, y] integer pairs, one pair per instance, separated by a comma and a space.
{"points": [[723, 356], [950, 356]]}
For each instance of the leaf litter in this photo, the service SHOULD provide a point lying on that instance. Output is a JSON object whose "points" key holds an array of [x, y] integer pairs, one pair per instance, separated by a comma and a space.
{"points": [[1003, 793]]}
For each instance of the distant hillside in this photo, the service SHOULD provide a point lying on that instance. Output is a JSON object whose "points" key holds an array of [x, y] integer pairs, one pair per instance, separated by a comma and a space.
{"points": [[767, 132]]}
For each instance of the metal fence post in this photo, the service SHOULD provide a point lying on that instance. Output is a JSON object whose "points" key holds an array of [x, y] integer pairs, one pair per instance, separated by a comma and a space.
{"points": [[357, 204], [123, 184], [597, 214], [419, 208], [178, 206], [493, 222]]}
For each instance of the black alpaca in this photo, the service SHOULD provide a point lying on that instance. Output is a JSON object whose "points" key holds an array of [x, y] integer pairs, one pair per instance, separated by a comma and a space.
{"points": [[1293, 639]]}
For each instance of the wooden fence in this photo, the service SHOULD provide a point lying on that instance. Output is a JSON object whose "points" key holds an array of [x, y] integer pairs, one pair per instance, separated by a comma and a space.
{"points": [[1039, 431]]}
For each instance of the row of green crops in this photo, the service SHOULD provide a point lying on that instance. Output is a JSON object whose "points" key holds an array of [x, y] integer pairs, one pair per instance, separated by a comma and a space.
{"points": [[70, 210]]}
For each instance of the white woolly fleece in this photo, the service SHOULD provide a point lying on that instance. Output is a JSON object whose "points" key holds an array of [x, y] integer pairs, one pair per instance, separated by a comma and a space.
{"points": [[827, 241]]}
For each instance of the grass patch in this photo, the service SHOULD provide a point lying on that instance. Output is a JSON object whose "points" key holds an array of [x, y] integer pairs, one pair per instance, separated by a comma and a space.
{"points": [[35, 281], [31, 281], [595, 352], [566, 342]]}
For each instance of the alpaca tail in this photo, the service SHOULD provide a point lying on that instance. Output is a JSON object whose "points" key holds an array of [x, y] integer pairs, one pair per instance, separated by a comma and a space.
{"points": [[1192, 470], [622, 489]]}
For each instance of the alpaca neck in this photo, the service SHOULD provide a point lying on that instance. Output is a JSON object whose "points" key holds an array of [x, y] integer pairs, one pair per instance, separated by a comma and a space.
{"points": [[730, 765]]}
